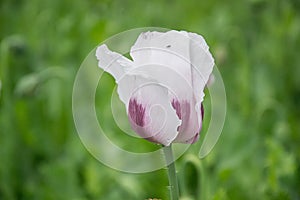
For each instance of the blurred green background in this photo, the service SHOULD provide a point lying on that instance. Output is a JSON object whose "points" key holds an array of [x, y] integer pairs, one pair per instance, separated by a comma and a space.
{"points": [[256, 45]]}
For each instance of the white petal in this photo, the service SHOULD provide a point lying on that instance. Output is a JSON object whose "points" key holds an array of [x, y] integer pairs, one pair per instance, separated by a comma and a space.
{"points": [[119, 67], [149, 110], [112, 62], [202, 66], [199, 40], [170, 49]]}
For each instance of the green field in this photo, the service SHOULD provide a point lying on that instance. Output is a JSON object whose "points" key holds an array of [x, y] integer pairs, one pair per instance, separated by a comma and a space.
{"points": [[256, 46]]}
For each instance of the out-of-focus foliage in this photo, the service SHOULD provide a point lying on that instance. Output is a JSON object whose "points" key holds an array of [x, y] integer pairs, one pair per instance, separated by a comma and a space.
{"points": [[256, 44]]}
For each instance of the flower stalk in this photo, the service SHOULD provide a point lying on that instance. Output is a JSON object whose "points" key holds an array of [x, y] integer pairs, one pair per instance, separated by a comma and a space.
{"points": [[173, 183]]}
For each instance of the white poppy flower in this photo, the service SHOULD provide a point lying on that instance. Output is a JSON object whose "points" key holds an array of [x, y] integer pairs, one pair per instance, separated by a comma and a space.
{"points": [[162, 86]]}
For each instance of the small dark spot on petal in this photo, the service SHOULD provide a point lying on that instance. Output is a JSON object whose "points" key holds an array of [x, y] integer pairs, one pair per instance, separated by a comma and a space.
{"points": [[168, 46]]}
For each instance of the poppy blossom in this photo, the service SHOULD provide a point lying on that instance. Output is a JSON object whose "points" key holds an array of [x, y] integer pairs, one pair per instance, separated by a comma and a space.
{"points": [[162, 85]]}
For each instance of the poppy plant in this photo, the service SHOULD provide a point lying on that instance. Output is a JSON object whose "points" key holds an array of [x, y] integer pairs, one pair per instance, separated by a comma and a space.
{"points": [[162, 86]]}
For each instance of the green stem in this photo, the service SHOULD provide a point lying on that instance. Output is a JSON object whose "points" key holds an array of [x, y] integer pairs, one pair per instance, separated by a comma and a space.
{"points": [[174, 192]]}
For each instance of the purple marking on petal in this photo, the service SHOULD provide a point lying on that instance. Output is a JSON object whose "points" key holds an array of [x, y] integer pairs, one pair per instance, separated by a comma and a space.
{"points": [[176, 106], [136, 112], [183, 112], [189, 121], [182, 109]]}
